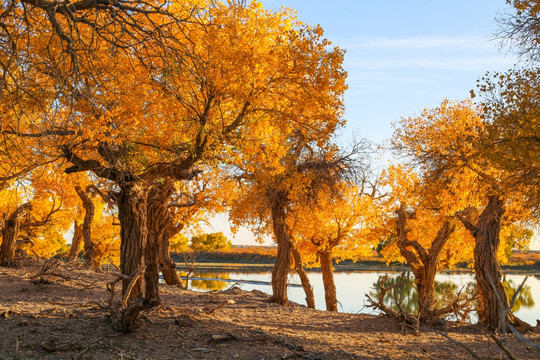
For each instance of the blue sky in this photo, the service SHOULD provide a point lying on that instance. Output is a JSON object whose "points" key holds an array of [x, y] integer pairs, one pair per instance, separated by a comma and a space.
{"points": [[404, 56]]}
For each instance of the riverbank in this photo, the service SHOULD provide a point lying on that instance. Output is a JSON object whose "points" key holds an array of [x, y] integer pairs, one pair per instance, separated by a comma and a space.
{"points": [[63, 315]]}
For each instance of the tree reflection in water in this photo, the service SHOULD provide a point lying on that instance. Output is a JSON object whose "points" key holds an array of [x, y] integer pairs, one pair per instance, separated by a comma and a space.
{"points": [[523, 300], [207, 285], [445, 292]]}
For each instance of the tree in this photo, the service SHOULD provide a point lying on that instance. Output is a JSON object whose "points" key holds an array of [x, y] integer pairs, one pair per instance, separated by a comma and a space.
{"points": [[450, 144], [179, 243], [423, 232], [210, 242], [272, 197], [510, 112], [337, 227]]}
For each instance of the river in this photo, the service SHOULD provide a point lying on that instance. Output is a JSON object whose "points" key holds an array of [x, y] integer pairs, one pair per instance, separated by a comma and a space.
{"points": [[353, 286]]}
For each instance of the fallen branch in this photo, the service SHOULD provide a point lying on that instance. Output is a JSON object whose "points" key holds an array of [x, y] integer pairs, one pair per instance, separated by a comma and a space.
{"points": [[220, 306], [445, 334], [131, 284]]}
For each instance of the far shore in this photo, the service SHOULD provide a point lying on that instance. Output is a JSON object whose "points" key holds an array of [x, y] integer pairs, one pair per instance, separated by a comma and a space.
{"points": [[367, 266]]}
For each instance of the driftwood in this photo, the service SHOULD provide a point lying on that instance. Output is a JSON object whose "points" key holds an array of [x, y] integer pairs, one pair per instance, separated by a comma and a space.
{"points": [[400, 315]]}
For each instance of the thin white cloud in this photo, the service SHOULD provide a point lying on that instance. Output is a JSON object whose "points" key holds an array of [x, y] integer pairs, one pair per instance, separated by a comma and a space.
{"points": [[433, 63], [421, 42]]}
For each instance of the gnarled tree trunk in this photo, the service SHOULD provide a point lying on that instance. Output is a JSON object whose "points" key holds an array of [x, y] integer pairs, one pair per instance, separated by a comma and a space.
{"points": [[132, 213], [90, 258], [330, 296], [299, 267], [157, 220], [9, 234], [282, 266], [76, 242], [423, 263], [491, 294], [166, 264]]}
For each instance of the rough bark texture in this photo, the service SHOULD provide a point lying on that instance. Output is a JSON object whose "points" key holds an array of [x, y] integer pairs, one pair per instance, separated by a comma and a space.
{"points": [[282, 266], [157, 222], [299, 267], [166, 264], [76, 242], [330, 296], [423, 263], [132, 212], [90, 258], [491, 294], [9, 234]]}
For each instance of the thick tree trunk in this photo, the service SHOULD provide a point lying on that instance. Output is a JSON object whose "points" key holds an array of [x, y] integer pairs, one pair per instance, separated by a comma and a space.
{"points": [[330, 296], [132, 212], [76, 242], [282, 266], [425, 286], [90, 258], [299, 267], [157, 222], [492, 300], [9, 234]]}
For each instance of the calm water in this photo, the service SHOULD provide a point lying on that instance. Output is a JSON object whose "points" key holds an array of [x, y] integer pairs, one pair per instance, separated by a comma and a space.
{"points": [[352, 286]]}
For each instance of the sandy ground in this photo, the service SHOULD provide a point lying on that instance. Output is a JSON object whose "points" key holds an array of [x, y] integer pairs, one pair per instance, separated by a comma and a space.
{"points": [[64, 316]]}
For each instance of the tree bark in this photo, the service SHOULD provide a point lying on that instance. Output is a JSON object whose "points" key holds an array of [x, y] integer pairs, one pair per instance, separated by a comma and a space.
{"points": [[76, 242], [9, 234], [157, 223], [299, 267], [492, 300], [330, 296], [282, 266], [132, 213], [90, 258], [166, 264]]}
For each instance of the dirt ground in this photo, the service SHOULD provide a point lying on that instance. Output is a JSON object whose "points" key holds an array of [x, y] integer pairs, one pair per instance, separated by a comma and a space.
{"points": [[64, 316]]}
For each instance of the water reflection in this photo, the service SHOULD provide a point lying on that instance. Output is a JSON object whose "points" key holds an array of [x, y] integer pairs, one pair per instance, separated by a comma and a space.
{"points": [[351, 287], [524, 299], [212, 281], [404, 295]]}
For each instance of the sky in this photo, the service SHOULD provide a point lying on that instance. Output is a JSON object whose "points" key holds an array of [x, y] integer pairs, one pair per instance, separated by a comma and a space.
{"points": [[404, 56], [401, 57]]}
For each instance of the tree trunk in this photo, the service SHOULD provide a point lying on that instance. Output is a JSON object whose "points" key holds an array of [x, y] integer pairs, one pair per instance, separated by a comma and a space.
{"points": [[166, 264], [76, 242], [299, 267], [9, 234], [132, 212], [282, 266], [90, 258], [492, 300], [325, 257], [423, 263], [157, 222]]}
